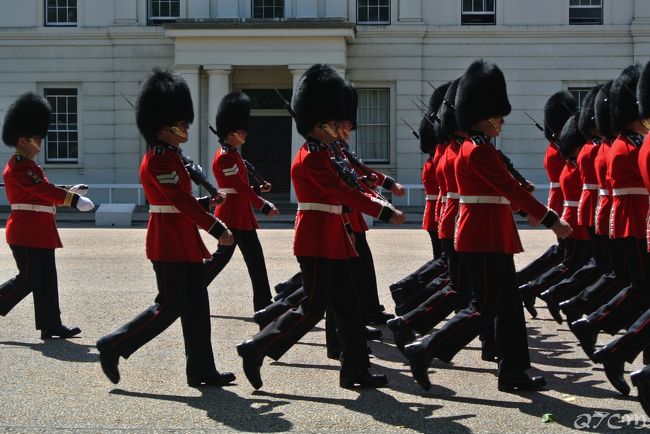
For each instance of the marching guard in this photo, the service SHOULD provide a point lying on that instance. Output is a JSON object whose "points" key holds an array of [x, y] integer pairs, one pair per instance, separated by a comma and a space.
{"points": [[173, 243], [31, 228]]}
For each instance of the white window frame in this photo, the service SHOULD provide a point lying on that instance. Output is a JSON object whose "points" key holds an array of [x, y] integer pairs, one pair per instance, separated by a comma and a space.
{"points": [[264, 8], [389, 124], [63, 162], [151, 20], [57, 7], [379, 7], [589, 6], [582, 91], [483, 12]]}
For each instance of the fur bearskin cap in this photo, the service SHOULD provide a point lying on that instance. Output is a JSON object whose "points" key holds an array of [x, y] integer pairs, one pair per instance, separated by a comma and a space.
{"points": [[430, 136], [623, 106], [587, 119], [602, 111], [571, 137], [319, 97], [351, 103], [481, 94], [233, 113], [28, 116], [557, 110], [163, 101], [435, 101], [447, 113], [643, 92]]}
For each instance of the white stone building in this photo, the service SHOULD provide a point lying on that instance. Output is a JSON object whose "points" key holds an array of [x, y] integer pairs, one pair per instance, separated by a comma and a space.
{"points": [[83, 54]]}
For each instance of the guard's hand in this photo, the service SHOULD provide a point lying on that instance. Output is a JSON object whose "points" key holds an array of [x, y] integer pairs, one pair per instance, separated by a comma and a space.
{"points": [[218, 199], [226, 238], [266, 187], [85, 204], [274, 211], [398, 189], [529, 186], [561, 228], [80, 189], [398, 217], [532, 221]]}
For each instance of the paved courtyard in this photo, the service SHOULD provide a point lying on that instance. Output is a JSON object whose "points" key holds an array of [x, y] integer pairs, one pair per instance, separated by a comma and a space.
{"points": [[105, 279]]}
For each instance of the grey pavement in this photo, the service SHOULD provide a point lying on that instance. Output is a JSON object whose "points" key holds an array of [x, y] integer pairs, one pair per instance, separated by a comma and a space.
{"points": [[105, 279]]}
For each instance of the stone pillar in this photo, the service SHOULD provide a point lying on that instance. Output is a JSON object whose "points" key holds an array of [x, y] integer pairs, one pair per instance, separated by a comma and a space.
{"points": [[192, 147], [218, 87]]}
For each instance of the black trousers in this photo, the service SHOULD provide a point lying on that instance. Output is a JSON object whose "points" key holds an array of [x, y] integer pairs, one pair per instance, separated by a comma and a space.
{"points": [[181, 293], [436, 245], [326, 282], [251, 250], [492, 281], [363, 269], [549, 259], [36, 274], [636, 339], [574, 284]]}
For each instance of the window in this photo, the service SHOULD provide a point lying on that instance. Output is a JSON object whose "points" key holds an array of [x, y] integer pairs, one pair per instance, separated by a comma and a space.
{"points": [[579, 93], [61, 12], [268, 9], [164, 11], [585, 11], [373, 12], [373, 125], [62, 142], [478, 12]]}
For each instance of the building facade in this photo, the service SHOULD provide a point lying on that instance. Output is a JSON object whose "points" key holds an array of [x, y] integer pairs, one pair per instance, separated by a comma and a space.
{"points": [[89, 56]]}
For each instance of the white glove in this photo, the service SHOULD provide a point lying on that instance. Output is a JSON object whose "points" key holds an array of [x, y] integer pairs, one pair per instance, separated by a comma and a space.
{"points": [[80, 189], [85, 204]]}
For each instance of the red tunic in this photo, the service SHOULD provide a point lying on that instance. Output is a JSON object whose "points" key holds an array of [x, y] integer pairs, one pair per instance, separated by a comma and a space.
{"points": [[432, 192], [644, 170], [589, 196], [449, 213], [173, 237], [629, 211], [26, 183], [315, 180], [485, 227], [440, 178], [571, 185], [230, 172], [554, 163], [605, 190]]}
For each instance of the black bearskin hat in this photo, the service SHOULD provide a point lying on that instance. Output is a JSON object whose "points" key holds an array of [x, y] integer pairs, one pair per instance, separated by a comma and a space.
{"points": [[602, 111], [643, 92], [233, 113], [481, 94], [351, 103], [623, 106], [430, 136], [570, 138], [587, 119], [28, 116], [319, 97], [164, 100], [435, 101], [557, 110], [447, 112]]}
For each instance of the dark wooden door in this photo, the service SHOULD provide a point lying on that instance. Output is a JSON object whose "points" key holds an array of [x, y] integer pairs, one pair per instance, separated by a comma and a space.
{"points": [[268, 148]]}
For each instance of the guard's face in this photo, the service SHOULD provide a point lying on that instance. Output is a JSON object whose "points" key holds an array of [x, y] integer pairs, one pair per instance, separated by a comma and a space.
{"points": [[30, 145], [237, 138], [491, 127], [181, 129], [646, 124], [345, 130]]}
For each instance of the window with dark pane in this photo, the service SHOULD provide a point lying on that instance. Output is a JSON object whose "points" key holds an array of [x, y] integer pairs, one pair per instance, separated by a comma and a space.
{"points": [[268, 9], [478, 12], [579, 94], [373, 11], [60, 13], [163, 11], [373, 125], [585, 12], [62, 143]]}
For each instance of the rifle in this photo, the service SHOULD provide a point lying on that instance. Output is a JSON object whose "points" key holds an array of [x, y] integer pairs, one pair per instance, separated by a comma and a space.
{"points": [[539, 127], [435, 89], [424, 113], [416, 135]]}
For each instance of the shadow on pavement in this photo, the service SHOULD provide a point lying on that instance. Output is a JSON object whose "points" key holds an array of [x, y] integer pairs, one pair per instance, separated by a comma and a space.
{"points": [[60, 349]]}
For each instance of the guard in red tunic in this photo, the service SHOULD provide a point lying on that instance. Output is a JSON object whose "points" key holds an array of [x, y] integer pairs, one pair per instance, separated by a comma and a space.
{"points": [[429, 146], [322, 244], [627, 222], [31, 228], [488, 193], [173, 243], [237, 210]]}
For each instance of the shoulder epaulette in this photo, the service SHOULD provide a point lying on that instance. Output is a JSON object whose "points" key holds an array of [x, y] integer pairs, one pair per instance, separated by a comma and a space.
{"points": [[479, 140]]}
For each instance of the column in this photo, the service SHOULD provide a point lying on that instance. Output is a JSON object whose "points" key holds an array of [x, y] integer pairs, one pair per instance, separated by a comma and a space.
{"points": [[192, 147], [218, 87], [410, 11], [296, 139], [126, 13]]}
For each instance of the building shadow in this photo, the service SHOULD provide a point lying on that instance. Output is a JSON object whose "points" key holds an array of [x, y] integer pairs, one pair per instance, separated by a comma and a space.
{"points": [[227, 408], [60, 349]]}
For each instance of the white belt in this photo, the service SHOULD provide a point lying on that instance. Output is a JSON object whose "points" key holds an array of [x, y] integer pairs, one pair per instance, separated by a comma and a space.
{"points": [[452, 195], [443, 199], [630, 190], [571, 203], [228, 190], [554, 185], [590, 186], [30, 207], [603, 192], [431, 197], [499, 200], [163, 209], [310, 206]]}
